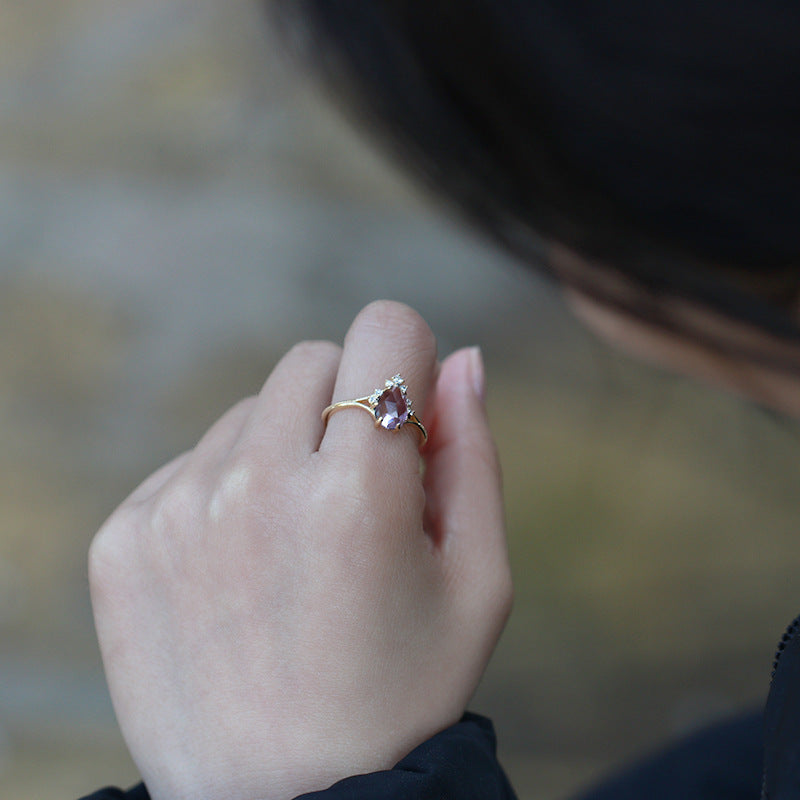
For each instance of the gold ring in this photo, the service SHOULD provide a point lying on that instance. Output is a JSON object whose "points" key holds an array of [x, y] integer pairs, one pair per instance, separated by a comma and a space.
{"points": [[390, 407]]}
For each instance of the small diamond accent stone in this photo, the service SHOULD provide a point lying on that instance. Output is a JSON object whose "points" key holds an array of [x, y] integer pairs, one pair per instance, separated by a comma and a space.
{"points": [[392, 409]]}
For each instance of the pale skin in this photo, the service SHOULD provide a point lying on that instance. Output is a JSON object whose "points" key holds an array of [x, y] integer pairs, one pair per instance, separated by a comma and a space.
{"points": [[289, 604]]}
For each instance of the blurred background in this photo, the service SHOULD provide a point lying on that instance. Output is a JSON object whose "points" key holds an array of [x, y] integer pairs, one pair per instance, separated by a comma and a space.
{"points": [[177, 207]]}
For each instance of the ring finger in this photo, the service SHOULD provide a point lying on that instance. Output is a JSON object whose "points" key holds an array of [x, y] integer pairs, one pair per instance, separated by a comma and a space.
{"points": [[384, 340]]}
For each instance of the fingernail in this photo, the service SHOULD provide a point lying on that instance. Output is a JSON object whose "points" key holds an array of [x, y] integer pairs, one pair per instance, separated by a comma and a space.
{"points": [[478, 373]]}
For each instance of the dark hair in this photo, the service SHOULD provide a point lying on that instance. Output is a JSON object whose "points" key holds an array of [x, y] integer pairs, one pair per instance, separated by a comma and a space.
{"points": [[661, 139]]}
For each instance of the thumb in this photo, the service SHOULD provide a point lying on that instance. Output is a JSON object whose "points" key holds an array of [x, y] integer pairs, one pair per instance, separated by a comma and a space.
{"points": [[464, 502]]}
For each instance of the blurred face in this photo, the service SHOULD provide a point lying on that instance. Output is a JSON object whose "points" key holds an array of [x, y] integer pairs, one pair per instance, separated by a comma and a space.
{"points": [[700, 344]]}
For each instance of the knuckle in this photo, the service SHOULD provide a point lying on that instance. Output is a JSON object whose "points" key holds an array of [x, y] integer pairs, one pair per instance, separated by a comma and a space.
{"points": [[305, 359], [313, 351], [173, 523], [145, 538], [101, 567], [241, 407], [314, 346], [226, 426], [233, 489], [176, 508], [111, 550]]}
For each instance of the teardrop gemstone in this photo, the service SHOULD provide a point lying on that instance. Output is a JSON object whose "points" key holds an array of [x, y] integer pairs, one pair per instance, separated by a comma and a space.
{"points": [[392, 410]]}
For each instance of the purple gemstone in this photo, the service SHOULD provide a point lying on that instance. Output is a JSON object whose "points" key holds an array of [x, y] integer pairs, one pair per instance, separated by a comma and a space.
{"points": [[391, 409]]}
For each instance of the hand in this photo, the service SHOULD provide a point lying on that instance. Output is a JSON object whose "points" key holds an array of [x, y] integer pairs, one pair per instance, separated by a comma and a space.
{"points": [[286, 604]]}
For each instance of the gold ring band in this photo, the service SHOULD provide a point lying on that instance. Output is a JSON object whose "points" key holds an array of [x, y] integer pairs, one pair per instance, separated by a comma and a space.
{"points": [[389, 407]]}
